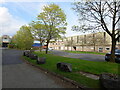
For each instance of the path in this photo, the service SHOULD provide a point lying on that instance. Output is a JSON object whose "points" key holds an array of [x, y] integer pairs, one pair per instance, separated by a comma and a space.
{"points": [[17, 74]]}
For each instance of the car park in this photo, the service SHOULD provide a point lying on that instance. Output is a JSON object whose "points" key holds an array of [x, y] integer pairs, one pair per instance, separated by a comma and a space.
{"points": [[117, 56]]}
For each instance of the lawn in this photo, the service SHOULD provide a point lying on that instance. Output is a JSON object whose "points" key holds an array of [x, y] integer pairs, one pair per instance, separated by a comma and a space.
{"points": [[85, 52], [77, 65]]}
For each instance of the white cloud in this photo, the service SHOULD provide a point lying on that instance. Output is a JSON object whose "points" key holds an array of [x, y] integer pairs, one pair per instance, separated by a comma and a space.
{"points": [[40, 0], [8, 24], [2, 1]]}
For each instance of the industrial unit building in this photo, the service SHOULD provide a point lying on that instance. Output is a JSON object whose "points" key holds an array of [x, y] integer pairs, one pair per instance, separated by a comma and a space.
{"points": [[97, 42]]}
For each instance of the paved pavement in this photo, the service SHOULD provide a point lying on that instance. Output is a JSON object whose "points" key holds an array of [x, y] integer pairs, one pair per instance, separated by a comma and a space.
{"points": [[0, 68], [89, 57], [17, 74]]}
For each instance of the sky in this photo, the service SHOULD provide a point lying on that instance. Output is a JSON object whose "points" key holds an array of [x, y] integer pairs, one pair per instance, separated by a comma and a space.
{"points": [[15, 13]]}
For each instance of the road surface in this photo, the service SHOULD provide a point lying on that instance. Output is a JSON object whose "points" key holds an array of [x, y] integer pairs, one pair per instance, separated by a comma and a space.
{"points": [[17, 74], [89, 57]]}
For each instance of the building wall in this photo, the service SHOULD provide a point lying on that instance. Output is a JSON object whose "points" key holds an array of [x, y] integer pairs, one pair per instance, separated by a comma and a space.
{"points": [[98, 42], [5, 40]]}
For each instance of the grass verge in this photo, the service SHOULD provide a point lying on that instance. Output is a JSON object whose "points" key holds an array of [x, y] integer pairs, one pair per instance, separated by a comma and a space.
{"points": [[77, 65], [85, 52]]}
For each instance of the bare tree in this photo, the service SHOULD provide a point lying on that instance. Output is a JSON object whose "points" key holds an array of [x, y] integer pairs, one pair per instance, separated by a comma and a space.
{"points": [[100, 14]]}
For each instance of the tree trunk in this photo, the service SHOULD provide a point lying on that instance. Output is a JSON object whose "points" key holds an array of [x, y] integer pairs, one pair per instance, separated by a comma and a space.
{"points": [[40, 47], [112, 59], [82, 48], [94, 41], [94, 47], [47, 46], [67, 48]]}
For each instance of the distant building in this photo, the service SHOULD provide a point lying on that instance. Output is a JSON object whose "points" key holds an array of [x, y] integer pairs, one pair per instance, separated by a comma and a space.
{"points": [[96, 42], [38, 45], [5, 40]]}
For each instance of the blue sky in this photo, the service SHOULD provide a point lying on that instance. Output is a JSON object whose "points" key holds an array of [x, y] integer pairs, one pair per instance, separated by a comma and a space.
{"points": [[15, 14]]}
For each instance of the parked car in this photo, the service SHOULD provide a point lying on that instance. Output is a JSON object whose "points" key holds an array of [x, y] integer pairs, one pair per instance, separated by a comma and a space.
{"points": [[117, 56], [50, 48]]}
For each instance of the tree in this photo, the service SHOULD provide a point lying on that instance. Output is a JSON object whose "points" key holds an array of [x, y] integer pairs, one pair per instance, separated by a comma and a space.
{"points": [[23, 38], [98, 15], [38, 31], [54, 20], [0, 41], [12, 43]]}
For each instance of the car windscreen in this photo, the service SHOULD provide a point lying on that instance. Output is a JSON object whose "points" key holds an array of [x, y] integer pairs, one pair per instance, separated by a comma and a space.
{"points": [[117, 51]]}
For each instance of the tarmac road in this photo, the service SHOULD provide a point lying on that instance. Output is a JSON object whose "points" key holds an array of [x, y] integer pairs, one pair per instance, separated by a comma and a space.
{"points": [[17, 74], [89, 57]]}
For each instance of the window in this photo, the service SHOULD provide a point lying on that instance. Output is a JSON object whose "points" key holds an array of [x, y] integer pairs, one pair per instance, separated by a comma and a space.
{"points": [[107, 48], [117, 51], [100, 49]]}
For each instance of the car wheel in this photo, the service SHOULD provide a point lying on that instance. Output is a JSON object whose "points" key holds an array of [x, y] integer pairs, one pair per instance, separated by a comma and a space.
{"points": [[107, 60], [117, 61]]}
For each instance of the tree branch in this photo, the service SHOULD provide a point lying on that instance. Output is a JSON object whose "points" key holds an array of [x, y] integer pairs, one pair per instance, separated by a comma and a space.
{"points": [[117, 38], [117, 20]]}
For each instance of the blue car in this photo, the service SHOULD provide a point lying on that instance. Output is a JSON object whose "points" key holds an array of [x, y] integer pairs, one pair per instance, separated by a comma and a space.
{"points": [[117, 56]]}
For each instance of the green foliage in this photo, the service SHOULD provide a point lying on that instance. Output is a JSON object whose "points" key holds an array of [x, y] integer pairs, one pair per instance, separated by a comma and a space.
{"points": [[23, 39], [0, 41], [54, 20], [12, 43], [38, 30], [11, 46]]}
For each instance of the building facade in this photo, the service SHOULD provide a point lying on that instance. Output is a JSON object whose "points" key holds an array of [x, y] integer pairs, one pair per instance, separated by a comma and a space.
{"points": [[96, 42], [5, 40]]}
